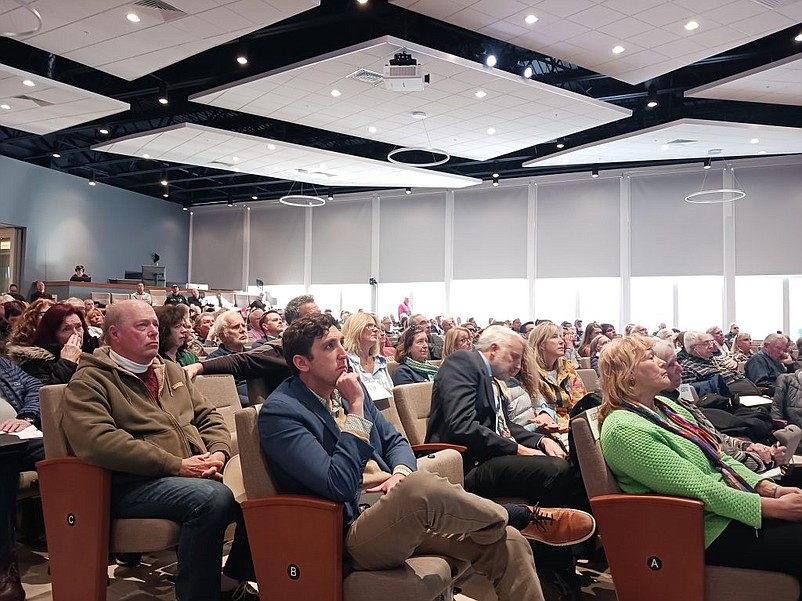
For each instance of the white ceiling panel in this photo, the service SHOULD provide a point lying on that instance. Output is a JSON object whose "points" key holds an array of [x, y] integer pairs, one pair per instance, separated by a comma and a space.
{"points": [[97, 33], [682, 139], [217, 149], [651, 32], [779, 82], [457, 120], [48, 105]]}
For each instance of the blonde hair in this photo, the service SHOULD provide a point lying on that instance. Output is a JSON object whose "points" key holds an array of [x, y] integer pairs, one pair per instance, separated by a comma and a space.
{"points": [[450, 342], [24, 330], [529, 376], [352, 331], [538, 336], [617, 360]]}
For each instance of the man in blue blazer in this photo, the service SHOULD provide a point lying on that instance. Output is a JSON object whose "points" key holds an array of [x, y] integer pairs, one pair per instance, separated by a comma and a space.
{"points": [[322, 436]]}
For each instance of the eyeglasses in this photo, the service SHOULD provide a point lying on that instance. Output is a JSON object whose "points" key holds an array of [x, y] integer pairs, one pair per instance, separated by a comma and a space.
{"points": [[372, 327]]}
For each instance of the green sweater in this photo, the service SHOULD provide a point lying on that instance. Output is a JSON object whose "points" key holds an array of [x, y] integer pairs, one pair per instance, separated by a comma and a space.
{"points": [[648, 459]]}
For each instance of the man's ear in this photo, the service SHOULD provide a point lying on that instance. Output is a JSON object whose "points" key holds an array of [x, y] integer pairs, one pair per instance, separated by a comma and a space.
{"points": [[301, 363]]}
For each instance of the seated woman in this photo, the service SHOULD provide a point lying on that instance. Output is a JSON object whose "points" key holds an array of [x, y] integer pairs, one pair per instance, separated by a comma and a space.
{"points": [[95, 320], [560, 387], [52, 357], [653, 445], [742, 347], [412, 353], [24, 330], [596, 346], [591, 331], [456, 339], [361, 333], [174, 334], [388, 350]]}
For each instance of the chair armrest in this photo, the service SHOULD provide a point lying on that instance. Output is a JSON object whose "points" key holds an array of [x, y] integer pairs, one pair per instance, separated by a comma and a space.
{"points": [[297, 546], [433, 447], [654, 545], [75, 504]]}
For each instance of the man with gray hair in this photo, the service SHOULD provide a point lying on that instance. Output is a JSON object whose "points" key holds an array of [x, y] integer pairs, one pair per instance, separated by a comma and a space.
{"points": [[769, 362], [503, 459], [229, 327], [300, 306], [721, 353]]}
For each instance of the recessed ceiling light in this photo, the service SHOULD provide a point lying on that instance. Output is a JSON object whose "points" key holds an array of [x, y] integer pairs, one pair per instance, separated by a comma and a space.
{"points": [[5, 107], [103, 131], [560, 145], [166, 195], [754, 141], [480, 94], [372, 129], [798, 38], [528, 71], [271, 146], [491, 60], [618, 49], [418, 115], [133, 17], [762, 152], [242, 60], [362, 1], [691, 25], [28, 82], [164, 181], [146, 156], [530, 19], [336, 93], [56, 155], [491, 131], [651, 104], [163, 100], [254, 197]]}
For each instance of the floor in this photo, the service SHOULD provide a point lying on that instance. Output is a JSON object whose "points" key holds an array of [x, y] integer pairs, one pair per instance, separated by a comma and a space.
{"points": [[149, 581]]}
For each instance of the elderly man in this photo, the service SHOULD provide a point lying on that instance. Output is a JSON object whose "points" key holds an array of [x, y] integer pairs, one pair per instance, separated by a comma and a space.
{"points": [[254, 332], [769, 362], [322, 435], [504, 459], [271, 325], [698, 365], [229, 327], [734, 331], [129, 412], [721, 354], [195, 299], [141, 295]]}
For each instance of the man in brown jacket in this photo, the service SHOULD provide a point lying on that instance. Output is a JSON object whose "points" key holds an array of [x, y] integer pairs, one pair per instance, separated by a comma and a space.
{"points": [[129, 412]]}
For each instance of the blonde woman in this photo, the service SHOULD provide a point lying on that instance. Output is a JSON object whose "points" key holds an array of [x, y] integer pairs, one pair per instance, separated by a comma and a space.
{"points": [[363, 344], [457, 339]]}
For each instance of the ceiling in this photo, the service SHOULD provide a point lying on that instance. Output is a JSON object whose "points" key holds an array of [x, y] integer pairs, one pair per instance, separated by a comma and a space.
{"points": [[98, 77]]}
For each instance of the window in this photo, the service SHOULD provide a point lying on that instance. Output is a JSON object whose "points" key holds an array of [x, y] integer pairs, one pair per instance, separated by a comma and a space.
{"points": [[483, 299]]}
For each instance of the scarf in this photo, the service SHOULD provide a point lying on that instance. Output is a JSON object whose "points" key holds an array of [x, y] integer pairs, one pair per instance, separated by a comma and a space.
{"points": [[692, 432], [423, 367]]}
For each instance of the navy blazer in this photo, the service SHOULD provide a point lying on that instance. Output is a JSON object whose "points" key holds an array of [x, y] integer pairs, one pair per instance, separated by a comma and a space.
{"points": [[404, 374], [309, 455], [464, 411]]}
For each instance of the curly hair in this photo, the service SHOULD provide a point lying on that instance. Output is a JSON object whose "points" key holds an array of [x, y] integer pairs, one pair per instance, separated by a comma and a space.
{"points": [[24, 330], [169, 316], [301, 334]]}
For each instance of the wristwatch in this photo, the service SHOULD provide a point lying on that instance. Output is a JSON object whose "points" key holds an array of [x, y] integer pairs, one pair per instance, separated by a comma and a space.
{"points": [[29, 419]]}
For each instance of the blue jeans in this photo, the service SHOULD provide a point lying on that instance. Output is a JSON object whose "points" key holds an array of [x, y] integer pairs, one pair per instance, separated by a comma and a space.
{"points": [[204, 508]]}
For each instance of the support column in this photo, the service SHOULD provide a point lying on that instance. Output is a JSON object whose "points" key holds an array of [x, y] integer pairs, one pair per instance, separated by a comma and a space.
{"points": [[728, 268], [449, 249], [531, 246], [624, 251]]}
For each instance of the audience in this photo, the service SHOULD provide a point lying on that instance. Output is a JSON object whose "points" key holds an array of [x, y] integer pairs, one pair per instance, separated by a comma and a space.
{"points": [[94, 320], [361, 342], [387, 348], [412, 353], [254, 331], [742, 347], [175, 297], [174, 334], [457, 339], [653, 445], [24, 329], [433, 340], [229, 327], [13, 292], [40, 292], [608, 330], [141, 295], [591, 331], [595, 348], [271, 325], [698, 365], [769, 362]]}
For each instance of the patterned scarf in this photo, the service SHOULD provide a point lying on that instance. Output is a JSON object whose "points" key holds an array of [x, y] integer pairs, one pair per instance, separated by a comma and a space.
{"points": [[423, 367], [690, 431]]}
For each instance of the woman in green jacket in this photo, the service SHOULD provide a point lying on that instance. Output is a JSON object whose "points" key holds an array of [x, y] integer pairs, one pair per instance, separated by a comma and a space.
{"points": [[652, 445]]}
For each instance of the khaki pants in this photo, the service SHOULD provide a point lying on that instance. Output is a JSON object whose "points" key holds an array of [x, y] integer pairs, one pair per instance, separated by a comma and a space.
{"points": [[425, 514]]}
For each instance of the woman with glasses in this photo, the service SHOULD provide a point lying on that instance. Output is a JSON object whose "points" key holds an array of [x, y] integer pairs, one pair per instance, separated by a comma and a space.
{"points": [[175, 331], [52, 355], [361, 332], [412, 353], [742, 347], [457, 339]]}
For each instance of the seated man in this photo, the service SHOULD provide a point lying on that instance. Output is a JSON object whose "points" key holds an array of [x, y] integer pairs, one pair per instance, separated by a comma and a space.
{"points": [[271, 325], [696, 358], [321, 435], [19, 410], [175, 297], [769, 362], [229, 327], [129, 412], [140, 294], [254, 332], [722, 355]]}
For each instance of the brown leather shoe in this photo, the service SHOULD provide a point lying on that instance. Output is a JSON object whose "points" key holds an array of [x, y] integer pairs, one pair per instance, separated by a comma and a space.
{"points": [[559, 527], [10, 585]]}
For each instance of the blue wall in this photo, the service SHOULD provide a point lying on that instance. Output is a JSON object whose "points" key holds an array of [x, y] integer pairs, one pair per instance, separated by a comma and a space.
{"points": [[106, 229]]}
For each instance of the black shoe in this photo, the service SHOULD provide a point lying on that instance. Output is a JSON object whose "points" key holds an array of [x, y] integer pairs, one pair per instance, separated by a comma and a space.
{"points": [[10, 585], [242, 592], [128, 560]]}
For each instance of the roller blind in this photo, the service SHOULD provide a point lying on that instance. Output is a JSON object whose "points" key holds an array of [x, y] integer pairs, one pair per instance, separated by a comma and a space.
{"points": [[217, 247], [341, 237], [277, 245]]}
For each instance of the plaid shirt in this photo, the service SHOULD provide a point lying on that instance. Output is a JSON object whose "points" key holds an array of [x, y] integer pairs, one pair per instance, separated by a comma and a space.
{"points": [[696, 369]]}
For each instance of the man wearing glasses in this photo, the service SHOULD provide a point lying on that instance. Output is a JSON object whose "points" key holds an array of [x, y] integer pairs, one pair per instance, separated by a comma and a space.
{"points": [[698, 365]]}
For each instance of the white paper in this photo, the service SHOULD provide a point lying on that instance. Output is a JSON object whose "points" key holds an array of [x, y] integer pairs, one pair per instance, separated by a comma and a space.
{"points": [[593, 420], [29, 432], [753, 401]]}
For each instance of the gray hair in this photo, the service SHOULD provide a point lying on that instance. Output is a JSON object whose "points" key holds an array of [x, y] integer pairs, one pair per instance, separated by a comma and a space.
{"points": [[663, 349], [293, 309], [499, 335], [692, 337], [712, 329], [772, 337], [221, 322]]}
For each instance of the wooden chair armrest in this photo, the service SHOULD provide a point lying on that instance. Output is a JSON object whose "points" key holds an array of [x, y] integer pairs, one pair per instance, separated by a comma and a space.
{"points": [[654, 545], [433, 447], [75, 504], [297, 546]]}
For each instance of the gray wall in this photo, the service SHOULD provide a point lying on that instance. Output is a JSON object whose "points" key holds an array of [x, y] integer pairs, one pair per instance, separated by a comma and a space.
{"points": [[106, 229]]}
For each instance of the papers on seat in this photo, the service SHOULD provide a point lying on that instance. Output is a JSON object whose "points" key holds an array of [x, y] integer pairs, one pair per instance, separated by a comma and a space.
{"points": [[27, 433], [754, 401]]}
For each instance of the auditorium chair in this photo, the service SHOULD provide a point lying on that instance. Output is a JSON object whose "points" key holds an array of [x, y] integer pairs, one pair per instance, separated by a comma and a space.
{"points": [[297, 541], [655, 543], [101, 298], [158, 297], [590, 379], [584, 363], [119, 297]]}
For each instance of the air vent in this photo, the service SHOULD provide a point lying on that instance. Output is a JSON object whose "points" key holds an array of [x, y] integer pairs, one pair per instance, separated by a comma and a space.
{"points": [[774, 4], [223, 164], [167, 12], [317, 173], [366, 76], [36, 101], [681, 141]]}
